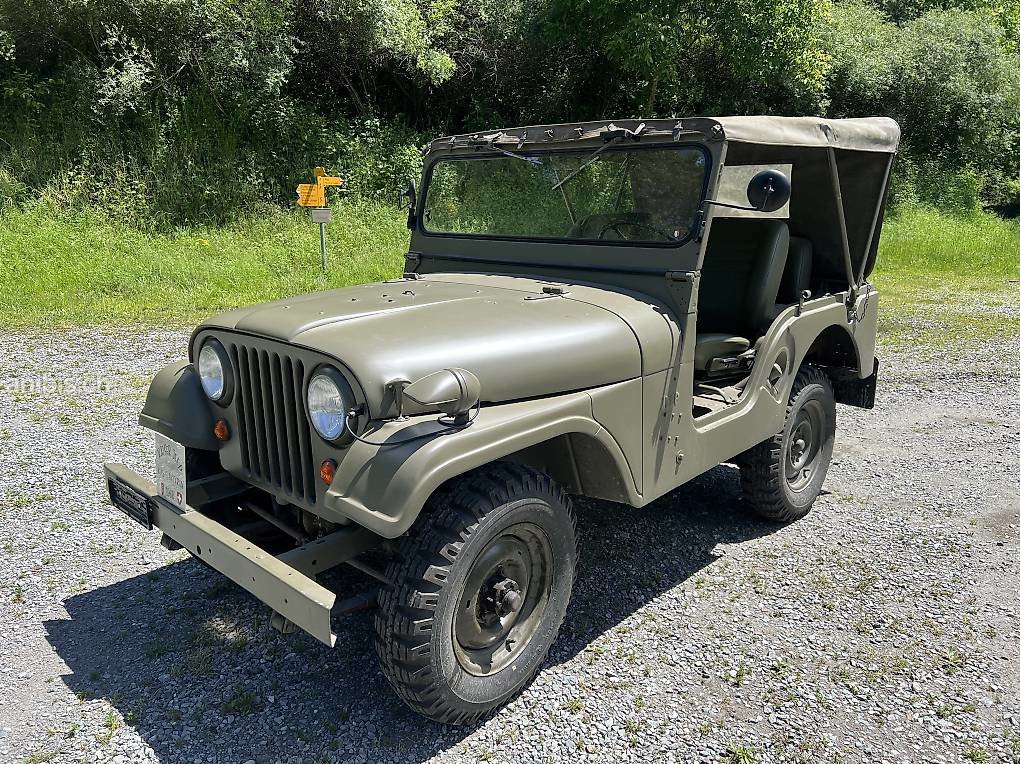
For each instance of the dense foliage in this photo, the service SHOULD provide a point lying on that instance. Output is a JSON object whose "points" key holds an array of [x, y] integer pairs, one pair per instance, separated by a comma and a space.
{"points": [[169, 111]]}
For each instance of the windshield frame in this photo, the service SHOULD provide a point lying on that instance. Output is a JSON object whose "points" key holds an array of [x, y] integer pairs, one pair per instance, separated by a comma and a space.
{"points": [[484, 152]]}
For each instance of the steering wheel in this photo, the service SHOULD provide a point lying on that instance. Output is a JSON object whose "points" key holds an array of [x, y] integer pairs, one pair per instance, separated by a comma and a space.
{"points": [[615, 228]]}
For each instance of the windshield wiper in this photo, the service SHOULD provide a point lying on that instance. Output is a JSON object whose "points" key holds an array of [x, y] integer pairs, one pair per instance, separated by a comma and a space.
{"points": [[611, 135], [490, 143], [530, 160], [592, 157]]}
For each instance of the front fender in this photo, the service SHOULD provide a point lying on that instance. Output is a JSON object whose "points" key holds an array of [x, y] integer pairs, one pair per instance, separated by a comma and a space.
{"points": [[384, 488], [176, 406]]}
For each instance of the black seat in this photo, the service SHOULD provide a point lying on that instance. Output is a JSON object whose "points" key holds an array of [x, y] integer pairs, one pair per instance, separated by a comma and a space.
{"points": [[740, 282], [797, 275]]}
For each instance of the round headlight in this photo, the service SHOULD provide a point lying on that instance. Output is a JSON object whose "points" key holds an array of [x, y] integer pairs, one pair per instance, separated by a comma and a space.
{"points": [[326, 406], [213, 369]]}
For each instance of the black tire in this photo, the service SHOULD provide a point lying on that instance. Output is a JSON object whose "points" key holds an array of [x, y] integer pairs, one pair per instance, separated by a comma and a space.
{"points": [[445, 643], [781, 477]]}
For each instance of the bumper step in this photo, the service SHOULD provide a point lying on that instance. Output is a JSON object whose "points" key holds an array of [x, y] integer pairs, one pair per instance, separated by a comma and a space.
{"points": [[286, 588]]}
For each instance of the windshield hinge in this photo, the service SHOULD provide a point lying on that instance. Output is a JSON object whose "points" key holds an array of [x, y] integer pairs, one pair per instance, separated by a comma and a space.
{"points": [[683, 286], [679, 133]]}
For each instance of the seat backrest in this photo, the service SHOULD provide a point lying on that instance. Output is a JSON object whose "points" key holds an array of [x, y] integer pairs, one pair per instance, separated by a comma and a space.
{"points": [[741, 274], [797, 276]]}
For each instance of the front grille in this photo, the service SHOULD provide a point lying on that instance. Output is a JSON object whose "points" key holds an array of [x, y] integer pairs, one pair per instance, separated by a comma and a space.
{"points": [[276, 449]]}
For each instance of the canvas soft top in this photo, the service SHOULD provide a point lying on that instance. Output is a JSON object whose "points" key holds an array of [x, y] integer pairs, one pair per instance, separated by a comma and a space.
{"points": [[873, 134], [840, 176]]}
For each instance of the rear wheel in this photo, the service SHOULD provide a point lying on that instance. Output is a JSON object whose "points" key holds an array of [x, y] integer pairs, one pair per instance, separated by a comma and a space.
{"points": [[477, 593], [782, 476]]}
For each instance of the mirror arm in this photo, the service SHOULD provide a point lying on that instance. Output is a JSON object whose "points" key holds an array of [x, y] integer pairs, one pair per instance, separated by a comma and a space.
{"points": [[727, 205], [701, 219]]}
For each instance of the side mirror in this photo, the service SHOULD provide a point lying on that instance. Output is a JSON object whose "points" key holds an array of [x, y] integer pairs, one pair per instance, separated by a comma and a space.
{"points": [[410, 194], [455, 392], [768, 190]]}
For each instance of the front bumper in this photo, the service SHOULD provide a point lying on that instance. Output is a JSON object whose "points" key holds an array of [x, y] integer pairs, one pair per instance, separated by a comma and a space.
{"points": [[285, 588]]}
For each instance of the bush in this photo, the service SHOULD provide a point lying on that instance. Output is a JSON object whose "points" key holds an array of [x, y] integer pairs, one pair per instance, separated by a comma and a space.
{"points": [[661, 57], [199, 168], [163, 112], [952, 80]]}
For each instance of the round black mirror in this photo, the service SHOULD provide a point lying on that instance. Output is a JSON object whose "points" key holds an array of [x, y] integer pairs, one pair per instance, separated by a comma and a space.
{"points": [[768, 190]]}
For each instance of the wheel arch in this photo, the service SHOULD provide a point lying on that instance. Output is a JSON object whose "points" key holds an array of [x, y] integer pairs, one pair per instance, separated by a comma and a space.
{"points": [[834, 348], [853, 376], [386, 489], [177, 407], [580, 463]]}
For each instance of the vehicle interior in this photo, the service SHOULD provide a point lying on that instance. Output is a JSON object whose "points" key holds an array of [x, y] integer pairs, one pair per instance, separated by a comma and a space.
{"points": [[753, 270], [823, 241]]}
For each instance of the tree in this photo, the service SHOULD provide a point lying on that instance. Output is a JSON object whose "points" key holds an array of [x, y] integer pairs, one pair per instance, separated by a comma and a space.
{"points": [[665, 57]]}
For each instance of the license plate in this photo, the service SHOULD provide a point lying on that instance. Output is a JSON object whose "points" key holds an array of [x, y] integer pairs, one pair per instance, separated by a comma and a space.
{"points": [[171, 477]]}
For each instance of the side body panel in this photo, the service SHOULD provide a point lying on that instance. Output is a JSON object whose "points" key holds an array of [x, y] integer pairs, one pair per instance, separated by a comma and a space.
{"points": [[682, 448], [644, 427]]}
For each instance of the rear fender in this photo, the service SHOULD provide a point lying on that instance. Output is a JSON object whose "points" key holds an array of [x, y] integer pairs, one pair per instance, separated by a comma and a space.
{"points": [[384, 488], [847, 353]]}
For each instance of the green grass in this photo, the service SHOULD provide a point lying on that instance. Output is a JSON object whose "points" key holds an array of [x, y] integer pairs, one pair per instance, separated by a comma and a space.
{"points": [[946, 278], [41, 757], [243, 702], [942, 277], [67, 269]]}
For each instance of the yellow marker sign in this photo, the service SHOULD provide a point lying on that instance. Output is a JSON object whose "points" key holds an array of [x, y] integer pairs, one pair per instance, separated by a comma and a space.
{"points": [[314, 194], [311, 195]]}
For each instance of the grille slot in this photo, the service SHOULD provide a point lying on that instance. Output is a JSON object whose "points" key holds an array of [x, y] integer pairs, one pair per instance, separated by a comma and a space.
{"points": [[275, 438]]}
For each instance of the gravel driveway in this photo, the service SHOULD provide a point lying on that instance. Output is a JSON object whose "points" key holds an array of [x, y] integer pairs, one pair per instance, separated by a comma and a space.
{"points": [[883, 627]]}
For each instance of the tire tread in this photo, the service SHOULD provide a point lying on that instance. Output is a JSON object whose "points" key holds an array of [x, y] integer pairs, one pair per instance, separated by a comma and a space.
{"points": [[402, 629], [762, 466]]}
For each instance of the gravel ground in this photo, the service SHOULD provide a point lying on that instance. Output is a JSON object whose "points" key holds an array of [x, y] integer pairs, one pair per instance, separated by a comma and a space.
{"points": [[883, 627]]}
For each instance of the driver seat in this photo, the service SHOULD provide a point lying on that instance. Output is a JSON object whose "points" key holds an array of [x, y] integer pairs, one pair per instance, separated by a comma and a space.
{"points": [[740, 281]]}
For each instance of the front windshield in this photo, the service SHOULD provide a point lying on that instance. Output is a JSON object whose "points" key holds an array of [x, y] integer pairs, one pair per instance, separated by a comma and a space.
{"points": [[615, 194]]}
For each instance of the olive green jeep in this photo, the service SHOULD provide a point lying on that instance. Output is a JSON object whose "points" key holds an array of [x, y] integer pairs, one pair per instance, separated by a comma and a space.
{"points": [[601, 309]]}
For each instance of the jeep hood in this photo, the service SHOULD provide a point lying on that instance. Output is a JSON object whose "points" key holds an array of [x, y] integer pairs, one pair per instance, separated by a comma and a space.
{"points": [[520, 341]]}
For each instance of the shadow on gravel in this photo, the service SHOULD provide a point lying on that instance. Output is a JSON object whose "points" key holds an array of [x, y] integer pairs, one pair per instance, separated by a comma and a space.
{"points": [[189, 659]]}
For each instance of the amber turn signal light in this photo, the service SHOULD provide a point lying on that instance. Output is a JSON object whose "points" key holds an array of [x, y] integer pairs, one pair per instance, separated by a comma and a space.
{"points": [[221, 430], [328, 471]]}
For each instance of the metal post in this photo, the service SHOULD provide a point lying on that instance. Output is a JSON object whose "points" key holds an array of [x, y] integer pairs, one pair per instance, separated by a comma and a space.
{"points": [[841, 216], [322, 244]]}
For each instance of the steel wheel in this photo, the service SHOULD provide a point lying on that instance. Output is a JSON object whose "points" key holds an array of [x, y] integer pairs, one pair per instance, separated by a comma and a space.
{"points": [[782, 476], [504, 598], [478, 592], [803, 446]]}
